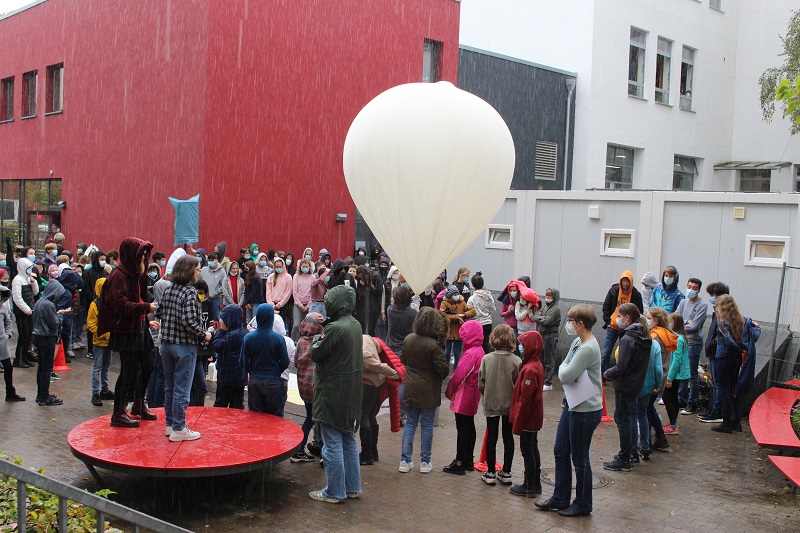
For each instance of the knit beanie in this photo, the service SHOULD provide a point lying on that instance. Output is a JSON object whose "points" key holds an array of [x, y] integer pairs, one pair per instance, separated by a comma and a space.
{"points": [[451, 291]]}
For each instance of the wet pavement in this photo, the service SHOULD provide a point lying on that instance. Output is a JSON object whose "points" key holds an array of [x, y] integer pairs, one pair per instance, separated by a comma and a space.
{"points": [[707, 482]]}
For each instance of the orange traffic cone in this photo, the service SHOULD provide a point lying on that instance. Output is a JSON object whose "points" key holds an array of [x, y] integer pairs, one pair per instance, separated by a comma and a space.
{"points": [[481, 465], [60, 364], [605, 417]]}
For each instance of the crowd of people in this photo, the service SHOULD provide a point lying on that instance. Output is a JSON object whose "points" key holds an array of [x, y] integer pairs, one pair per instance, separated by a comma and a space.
{"points": [[357, 335]]}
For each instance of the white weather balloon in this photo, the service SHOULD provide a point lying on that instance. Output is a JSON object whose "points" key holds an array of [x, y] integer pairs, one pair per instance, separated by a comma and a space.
{"points": [[428, 166]]}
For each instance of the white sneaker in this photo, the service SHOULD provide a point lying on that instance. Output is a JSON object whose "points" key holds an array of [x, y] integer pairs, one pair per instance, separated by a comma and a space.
{"points": [[547, 388], [184, 434], [168, 431], [660, 401], [405, 466], [425, 468]]}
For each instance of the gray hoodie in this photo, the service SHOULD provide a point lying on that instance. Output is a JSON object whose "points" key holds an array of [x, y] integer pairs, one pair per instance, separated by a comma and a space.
{"points": [[549, 317], [46, 319], [650, 281]]}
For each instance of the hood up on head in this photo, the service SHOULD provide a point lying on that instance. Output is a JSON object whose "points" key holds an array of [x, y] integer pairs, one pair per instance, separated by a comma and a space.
{"points": [[650, 280], [431, 323], [340, 301], [279, 326], [531, 342], [53, 291], [231, 315], [222, 249], [471, 332], [62, 267], [177, 254], [308, 251], [260, 255], [629, 276], [98, 286], [322, 253], [131, 252], [675, 284], [338, 266], [23, 264], [556, 295], [265, 316], [311, 325]]}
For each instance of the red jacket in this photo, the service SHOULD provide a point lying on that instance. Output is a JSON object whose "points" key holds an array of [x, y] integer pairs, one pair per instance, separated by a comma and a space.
{"points": [[391, 389], [123, 301], [527, 407]]}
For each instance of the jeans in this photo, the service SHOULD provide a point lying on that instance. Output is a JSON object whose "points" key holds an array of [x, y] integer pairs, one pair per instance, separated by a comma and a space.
{"points": [[197, 394], [267, 395], [46, 348], [340, 457], [179, 361], [318, 307], [66, 331], [625, 406], [573, 439], [155, 389], [465, 439], [78, 321], [423, 416], [550, 341], [654, 418], [689, 390], [297, 318], [308, 423], [492, 427], [100, 364], [641, 420], [453, 348], [716, 403], [214, 305], [612, 335], [728, 372]]}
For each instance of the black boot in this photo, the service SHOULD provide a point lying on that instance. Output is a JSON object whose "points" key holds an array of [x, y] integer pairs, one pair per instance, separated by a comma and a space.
{"points": [[365, 457], [456, 467], [140, 409], [121, 419]]}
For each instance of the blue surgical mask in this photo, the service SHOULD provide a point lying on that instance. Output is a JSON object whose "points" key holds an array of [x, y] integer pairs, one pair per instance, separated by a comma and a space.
{"points": [[304, 270], [649, 323], [327, 279], [308, 256], [691, 294], [212, 264], [246, 256], [288, 262], [163, 262], [3, 263], [278, 270], [620, 322], [712, 300], [262, 263], [395, 278], [32, 258], [669, 281], [153, 275], [102, 264], [521, 350]]}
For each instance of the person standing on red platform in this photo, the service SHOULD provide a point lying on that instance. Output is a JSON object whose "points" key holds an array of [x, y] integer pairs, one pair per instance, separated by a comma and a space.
{"points": [[123, 312]]}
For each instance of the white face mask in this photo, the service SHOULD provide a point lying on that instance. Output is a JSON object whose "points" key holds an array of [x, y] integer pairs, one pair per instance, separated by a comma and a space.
{"points": [[457, 298], [570, 328], [620, 322], [513, 294], [548, 300]]}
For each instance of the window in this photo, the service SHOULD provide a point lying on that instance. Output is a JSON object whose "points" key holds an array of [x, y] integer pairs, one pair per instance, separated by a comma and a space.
{"points": [[619, 167], [684, 173], [7, 99], [636, 63], [663, 65], [546, 160], [715, 4], [766, 250], [29, 80], [687, 76], [797, 178], [754, 180], [618, 242], [55, 88], [500, 237], [431, 60]]}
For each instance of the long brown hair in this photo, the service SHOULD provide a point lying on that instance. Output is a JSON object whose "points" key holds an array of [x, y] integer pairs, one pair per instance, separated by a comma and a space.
{"points": [[677, 325], [728, 310], [459, 274], [250, 266], [660, 317]]}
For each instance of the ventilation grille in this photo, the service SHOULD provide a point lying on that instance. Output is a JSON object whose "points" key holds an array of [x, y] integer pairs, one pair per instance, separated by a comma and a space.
{"points": [[546, 160]]}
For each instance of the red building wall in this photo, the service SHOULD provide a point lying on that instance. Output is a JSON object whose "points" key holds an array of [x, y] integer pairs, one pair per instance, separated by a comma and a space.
{"points": [[245, 102]]}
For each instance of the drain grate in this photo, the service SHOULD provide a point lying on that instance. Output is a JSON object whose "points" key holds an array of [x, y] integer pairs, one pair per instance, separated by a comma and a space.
{"points": [[599, 481]]}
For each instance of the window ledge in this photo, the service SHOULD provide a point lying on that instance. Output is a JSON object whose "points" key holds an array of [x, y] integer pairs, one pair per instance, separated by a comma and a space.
{"points": [[642, 98], [5, 121], [721, 12], [28, 117], [54, 112], [689, 110], [665, 105]]}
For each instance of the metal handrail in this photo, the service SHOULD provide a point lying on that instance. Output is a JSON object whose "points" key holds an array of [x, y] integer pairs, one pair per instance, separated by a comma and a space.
{"points": [[66, 492]]}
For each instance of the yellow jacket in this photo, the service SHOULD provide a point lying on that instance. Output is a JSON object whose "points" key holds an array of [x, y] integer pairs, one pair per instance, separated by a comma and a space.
{"points": [[91, 319]]}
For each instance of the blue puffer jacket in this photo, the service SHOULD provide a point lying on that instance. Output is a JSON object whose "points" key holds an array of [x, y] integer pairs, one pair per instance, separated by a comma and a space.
{"points": [[228, 344], [666, 296]]}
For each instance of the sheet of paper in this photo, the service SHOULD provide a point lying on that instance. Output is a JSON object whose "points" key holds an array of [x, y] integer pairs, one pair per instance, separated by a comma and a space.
{"points": [[580, 390]]}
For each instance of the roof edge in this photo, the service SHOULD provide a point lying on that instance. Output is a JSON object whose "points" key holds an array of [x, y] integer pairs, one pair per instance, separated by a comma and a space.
{"points": [[517, 60]]}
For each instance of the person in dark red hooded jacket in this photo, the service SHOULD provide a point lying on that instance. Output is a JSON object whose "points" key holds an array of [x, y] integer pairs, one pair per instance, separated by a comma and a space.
{"points": [[527, 412], [123, 312]]}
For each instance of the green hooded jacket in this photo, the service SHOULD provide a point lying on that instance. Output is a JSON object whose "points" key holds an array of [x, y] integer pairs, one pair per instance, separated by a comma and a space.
{"points": [[423, 357], [338, 354]]}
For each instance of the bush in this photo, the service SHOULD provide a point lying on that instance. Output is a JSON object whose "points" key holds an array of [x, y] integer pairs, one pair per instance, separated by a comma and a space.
{"points": [[42, 510]]}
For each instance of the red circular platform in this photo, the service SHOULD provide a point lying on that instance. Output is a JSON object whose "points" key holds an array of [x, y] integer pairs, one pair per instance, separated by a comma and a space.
{"points": [[232, 441]]}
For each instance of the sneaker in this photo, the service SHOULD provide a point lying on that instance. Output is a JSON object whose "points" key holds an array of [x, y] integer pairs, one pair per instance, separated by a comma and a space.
{"points": [[354, 495], [489, 478], [89, 355], [184, 434], [405, 466], [106, 395], [547, 387], [617, 466], [168, 431], [661, 401], [51, 400], [425, 468], [96, 401], [17, 398], [712, 418], [70, 355], [681, 404], [314, 449], [689, 409], [78, 346], [504, 477], [669, 430], [661, 445], [54, 375], [301, 457], [320, 497], [634, 458]]}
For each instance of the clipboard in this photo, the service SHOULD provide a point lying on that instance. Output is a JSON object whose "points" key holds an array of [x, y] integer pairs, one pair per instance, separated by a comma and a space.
{"points": [[580, 390]]}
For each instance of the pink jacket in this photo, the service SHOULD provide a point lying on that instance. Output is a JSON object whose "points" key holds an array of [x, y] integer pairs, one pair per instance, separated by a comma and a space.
{"points": [[279, 291], [507, 309], [301, 288], [466, 401]]}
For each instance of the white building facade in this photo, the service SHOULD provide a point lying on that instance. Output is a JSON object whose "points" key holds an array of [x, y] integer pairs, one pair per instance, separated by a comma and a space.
{"points": [[667, 91]]}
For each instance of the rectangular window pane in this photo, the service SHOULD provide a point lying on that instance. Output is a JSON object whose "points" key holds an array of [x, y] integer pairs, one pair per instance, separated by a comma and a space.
{"points": [[687, 76], [663, 65], [55, 88], [755, 180], [7, 98], [431, 60], [636, 62], [619, 242], [763, 250], [619, 167], [29, 82], [683, 173]]}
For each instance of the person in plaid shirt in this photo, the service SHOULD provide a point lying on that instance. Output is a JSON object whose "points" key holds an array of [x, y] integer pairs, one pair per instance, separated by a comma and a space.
{"points": [[181, 331]]}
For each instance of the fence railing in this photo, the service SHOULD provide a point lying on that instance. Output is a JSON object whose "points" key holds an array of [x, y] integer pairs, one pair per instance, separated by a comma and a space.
{"points": [[787, 312], [102, 506]]}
